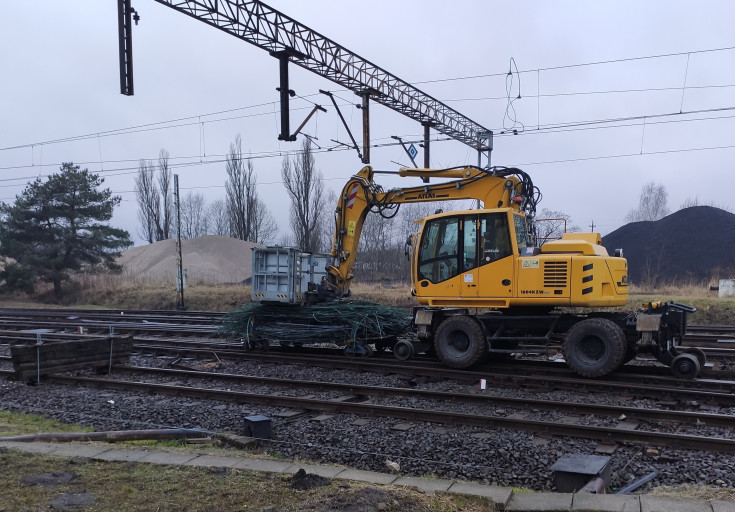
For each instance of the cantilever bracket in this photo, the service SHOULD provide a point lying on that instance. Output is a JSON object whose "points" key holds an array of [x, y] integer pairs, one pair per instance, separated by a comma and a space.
{"points": [[403, 145], [316, 107], [285, 92], [339, 112]]}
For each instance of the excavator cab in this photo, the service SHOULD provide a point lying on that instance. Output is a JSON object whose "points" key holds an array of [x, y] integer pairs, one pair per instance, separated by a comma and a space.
{"points": [[468, 256]]}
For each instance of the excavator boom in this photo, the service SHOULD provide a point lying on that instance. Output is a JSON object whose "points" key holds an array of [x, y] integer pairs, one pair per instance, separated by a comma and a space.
{"points": [[496, 188]]}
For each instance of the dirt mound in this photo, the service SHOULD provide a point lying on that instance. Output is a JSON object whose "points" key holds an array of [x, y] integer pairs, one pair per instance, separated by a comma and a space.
{"points": [[211, 259], [693, 243]]}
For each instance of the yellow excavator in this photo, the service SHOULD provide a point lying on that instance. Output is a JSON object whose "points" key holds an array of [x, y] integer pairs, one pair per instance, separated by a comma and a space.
{"points": [[486, 287]]}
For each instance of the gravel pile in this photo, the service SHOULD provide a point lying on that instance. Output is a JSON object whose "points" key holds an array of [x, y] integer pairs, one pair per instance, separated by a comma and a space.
{"points": [[496, 456]]}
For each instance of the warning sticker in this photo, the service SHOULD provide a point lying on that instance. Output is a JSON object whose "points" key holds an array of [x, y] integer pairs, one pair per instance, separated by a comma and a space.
{"points": [[529, 263], [351, 228]]}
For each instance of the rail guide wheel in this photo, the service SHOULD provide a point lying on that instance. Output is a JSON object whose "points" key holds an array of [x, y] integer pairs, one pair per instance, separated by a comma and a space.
{"points": [[686, 366], [403, 350]]}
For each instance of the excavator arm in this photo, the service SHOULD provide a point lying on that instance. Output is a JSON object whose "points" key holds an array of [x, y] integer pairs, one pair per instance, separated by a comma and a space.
{"points": [[496, 188]]}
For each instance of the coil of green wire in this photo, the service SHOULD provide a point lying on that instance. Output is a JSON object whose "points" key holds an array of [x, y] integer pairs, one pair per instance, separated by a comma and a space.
{"points": [[333, 322]]}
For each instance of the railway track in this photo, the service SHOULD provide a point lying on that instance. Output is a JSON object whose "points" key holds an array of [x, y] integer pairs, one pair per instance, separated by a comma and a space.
{"points": [[363, 403]]}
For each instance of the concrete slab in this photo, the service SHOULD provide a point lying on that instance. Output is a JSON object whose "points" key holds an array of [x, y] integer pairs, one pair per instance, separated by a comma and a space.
{"points": [[80, 450], [30, 447], [265, 465], [539, 502], [166, 458], [499, 495], [587, 502], [722, 506], [658, 504], [212, 461], [121, 455], [426, 485], [371, 477], [325, 471]]}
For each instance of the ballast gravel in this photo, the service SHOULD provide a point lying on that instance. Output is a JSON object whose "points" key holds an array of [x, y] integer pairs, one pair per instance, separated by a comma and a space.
{"points": [[492, 456]]}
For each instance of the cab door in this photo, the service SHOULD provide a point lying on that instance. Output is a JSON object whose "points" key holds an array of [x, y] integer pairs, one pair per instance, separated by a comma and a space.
{"points": [[448, 259], [496, 262]]}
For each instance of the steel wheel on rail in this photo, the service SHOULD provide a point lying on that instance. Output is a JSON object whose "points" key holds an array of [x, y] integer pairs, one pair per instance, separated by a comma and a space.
{"points": [[460, 342], [686, 366], [595, 347]]}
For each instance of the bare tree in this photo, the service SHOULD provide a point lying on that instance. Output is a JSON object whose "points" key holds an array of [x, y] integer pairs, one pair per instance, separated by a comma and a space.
{"points": [[304, 185], [217, 219], [193, 216], [155, 199], [552, 224], [242, 196], [149, 205], [264, 226], [694, 201], [164, 187], [652, 204]]}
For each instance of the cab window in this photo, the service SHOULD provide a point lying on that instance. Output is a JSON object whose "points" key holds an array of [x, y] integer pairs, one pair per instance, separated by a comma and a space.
{"points": [[521, 231], [439, 251], [494, 238]]}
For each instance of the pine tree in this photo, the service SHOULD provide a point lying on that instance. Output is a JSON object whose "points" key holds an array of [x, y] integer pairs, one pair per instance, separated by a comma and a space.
{"points": [[58, 226]]}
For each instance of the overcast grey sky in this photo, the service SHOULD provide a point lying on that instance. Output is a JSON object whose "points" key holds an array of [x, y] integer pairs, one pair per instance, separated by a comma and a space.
{"points": [[59, 65]]}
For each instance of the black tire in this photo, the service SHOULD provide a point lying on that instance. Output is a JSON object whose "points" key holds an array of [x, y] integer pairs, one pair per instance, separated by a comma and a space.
{"points": [[686, 366], [595, 347], [459, 342]]}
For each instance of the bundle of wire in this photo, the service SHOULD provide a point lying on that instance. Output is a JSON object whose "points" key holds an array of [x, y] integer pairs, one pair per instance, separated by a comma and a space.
{"points": [[335, 322]]}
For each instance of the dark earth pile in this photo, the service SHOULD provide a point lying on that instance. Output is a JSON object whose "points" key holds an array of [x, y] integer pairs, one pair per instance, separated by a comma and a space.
{"points": [[332, 322], [695, 243]]}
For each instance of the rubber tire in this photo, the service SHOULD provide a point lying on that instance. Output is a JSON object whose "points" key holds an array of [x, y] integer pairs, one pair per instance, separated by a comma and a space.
{"points": [[686, 366], [595, 347], [460, 342]]}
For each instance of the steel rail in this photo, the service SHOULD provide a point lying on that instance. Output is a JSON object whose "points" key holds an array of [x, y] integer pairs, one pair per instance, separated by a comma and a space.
{"points": [[687, 417], [681, 389], [679, 441]]}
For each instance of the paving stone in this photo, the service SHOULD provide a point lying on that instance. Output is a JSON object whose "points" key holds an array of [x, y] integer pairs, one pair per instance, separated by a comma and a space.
{"points": [[266, 465], [499, 495], [587, 502], [30, 447], [325, 471], [80, 450], [426, 485], [539, 502], [121, 455], [212, 461], [174, 459], [722, 506], [658, 504], [371, 477]]}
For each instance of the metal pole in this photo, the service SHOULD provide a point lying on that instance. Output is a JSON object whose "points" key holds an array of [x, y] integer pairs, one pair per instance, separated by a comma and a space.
{"points": [[179, 260], [365, 128], [125, 43], [427, 133]]}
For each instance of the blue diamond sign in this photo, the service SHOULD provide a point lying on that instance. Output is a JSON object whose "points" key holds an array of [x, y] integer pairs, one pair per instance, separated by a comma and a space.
{"points": [[412, 151]]}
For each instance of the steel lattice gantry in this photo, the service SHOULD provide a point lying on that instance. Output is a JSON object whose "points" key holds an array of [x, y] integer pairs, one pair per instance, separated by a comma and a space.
{"points": [[284, 37]]}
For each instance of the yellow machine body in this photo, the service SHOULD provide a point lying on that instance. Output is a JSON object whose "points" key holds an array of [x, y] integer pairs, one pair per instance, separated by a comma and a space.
{"points": [[479, 258]]}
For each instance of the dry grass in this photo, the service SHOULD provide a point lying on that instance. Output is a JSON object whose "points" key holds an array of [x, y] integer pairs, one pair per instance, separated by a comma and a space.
{"points": [[128, 487]]}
